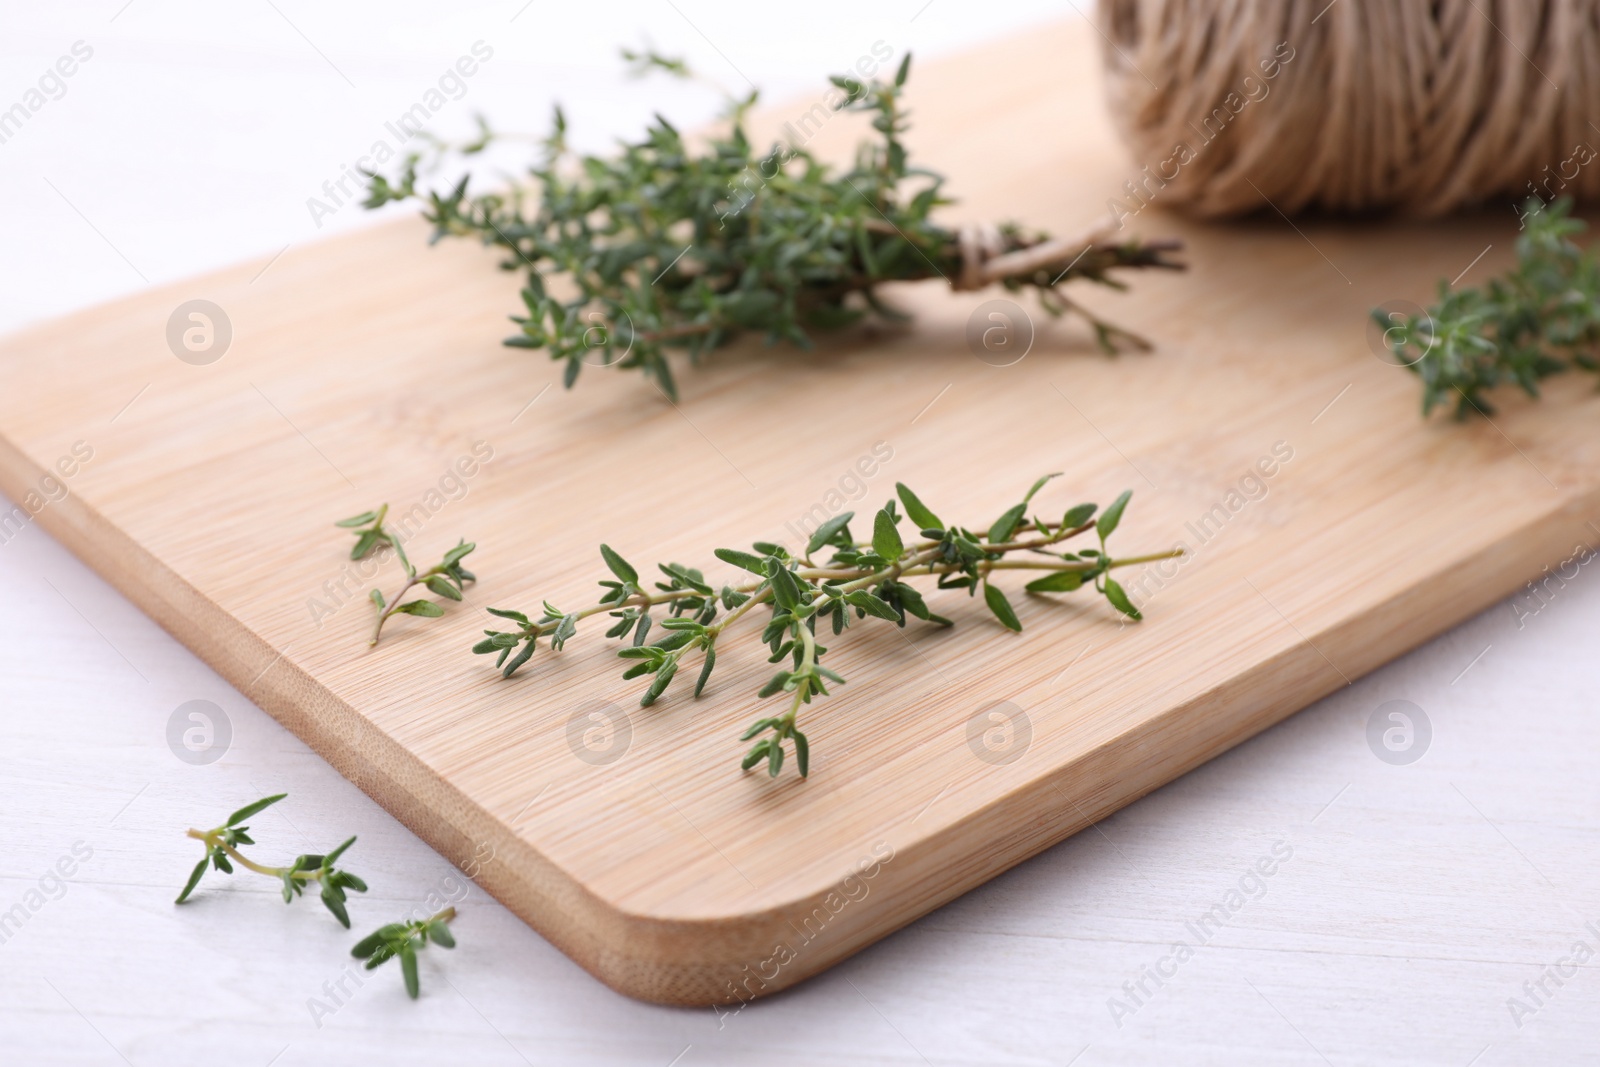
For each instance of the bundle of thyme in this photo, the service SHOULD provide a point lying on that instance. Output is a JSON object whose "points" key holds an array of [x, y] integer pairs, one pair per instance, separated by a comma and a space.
{"points": [[667, 247], [1538, 319], [857, 579]]}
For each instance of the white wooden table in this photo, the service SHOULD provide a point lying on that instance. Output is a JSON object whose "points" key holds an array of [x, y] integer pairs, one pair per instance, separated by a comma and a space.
{"points": [[1427, 912]]}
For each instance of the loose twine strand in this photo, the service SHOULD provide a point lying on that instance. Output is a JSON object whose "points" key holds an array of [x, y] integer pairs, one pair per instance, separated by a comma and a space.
{"points": [[1418, 105]]}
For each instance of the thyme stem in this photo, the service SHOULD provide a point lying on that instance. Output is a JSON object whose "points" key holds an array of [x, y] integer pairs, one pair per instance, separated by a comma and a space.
{"points": [[222, 852], [861, 579]]}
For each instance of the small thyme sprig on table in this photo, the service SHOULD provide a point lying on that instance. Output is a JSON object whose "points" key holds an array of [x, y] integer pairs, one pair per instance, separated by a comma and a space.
{"points": [[860, 579], [1538, 319], [446, 578], [672, 248], [222, 852], [405, 940]]}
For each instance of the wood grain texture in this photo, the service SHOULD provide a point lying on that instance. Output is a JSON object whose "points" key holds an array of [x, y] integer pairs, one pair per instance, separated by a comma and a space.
{"points": [[363, 369]]}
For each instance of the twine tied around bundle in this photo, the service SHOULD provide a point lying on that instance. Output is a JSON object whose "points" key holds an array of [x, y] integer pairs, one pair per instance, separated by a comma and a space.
{"points": [[987, 258]]}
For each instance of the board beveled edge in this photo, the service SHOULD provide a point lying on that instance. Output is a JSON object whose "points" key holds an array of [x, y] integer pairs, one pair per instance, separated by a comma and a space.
{"points": [[739, 957]]}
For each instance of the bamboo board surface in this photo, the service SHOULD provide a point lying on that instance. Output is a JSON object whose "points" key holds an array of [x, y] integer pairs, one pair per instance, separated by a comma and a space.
{"points": [[366, 368]]}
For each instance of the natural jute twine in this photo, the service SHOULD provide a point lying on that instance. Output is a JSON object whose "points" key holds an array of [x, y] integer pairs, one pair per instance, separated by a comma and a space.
{"points": [[1419, 105]]}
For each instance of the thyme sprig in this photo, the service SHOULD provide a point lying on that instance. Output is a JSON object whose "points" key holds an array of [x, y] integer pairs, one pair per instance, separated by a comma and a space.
{"points": [[405, 940], [1539, 318], [858, 579], [446, 578], [222, 852], [672, 248]]}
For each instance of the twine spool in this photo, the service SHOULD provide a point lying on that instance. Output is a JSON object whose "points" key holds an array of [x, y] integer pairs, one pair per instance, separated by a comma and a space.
{"points": [[1423, 106]]}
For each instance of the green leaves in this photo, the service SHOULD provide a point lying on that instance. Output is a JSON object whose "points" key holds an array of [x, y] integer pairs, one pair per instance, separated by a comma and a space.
{"points": [[1059, 582], [362, 519], [250, 809], [1004, 526], [785, 589], [885, 538], [511, 665], [403, 941], [334, 883], [705, 669], [1112, 516], [221, 845], [1077, 516], [829, 530], [1038, 485], [370, 533], [1538, 319], [446, 579], [373, 942], [916, 511], [1119, 599], [769, 750], [194, 877], [441, 587], [664, 671], [439, 933], [1001, 607], [506, 642], [514, 616], [619, 566], [872, 605], [743, 560], [860, 581], [1007, 523], [672, 248], [684, 577], [408, 967], [761, 751]]}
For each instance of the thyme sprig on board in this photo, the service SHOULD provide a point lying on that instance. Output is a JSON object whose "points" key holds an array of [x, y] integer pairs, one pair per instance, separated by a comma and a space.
{"points": [[837, 579], [222, 852], [677, 246], [403, 941], [446, 578], [1538, 319]]}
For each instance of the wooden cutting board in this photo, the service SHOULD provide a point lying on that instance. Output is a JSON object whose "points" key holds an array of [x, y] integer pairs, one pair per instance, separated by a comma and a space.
{"points": [[366, 368]]}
